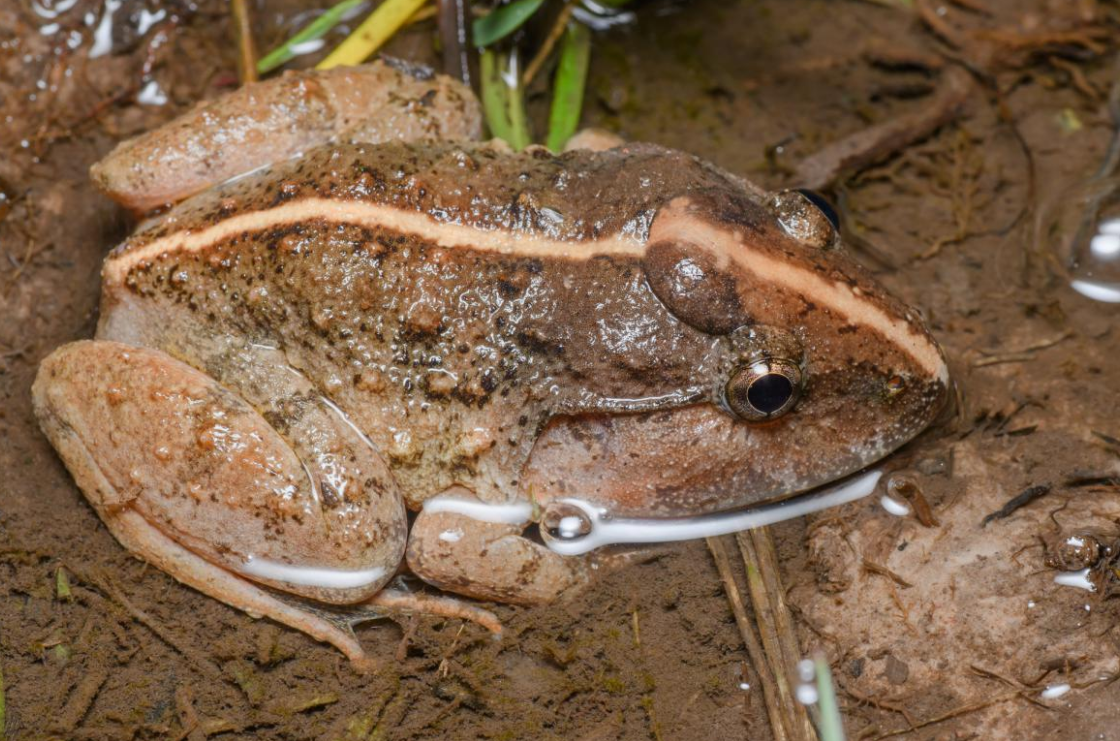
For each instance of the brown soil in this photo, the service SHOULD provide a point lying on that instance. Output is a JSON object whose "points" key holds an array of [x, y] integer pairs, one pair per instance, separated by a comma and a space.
{"points": [[957, 644]]}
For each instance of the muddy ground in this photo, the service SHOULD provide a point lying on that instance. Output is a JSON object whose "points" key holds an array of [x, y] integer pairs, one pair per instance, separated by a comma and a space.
{"points": [[942, 629]]}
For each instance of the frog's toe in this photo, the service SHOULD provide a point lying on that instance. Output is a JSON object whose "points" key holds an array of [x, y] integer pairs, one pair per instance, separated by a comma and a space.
{"points": [[488, 560], [193, 479]]}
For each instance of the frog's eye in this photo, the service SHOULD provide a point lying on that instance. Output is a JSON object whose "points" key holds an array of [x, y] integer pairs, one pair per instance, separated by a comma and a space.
{"points": [[764, 390], [807, 217], [822, 205]]}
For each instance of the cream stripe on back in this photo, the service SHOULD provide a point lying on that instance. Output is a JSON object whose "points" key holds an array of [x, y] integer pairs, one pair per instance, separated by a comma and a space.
{"points": [[839, 297]]}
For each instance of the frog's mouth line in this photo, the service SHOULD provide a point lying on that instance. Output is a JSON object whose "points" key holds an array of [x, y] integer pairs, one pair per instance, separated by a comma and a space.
{"points": [[580, 527], [572, 527]]}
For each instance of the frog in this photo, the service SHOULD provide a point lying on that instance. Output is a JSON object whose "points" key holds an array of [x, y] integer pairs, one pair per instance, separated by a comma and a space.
{"points": [[351, 341]]}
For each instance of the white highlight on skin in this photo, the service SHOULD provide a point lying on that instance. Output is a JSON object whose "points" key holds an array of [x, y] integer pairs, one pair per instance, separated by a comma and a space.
{"points": [[515, 513], [1054, 691], [838, 297], [607, 531], [894, 507], [451, 536], [311, 576], [1079, 579]]}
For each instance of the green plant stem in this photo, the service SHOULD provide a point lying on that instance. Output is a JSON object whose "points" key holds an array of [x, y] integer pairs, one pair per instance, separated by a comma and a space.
{"points": [[502, 21], [569, 85], [314, 30], [503, 103], [832, 726]]}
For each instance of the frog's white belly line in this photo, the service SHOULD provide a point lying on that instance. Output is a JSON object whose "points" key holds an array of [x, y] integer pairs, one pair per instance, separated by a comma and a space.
{"points": [[837, 296]]}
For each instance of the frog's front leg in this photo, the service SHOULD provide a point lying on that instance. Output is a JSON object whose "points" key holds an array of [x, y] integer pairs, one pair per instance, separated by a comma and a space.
{"points": [[188, 475], [459, 551]]}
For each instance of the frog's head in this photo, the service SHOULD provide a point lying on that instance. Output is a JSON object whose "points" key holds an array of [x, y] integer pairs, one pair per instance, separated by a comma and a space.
{"points": [[822, 372]]}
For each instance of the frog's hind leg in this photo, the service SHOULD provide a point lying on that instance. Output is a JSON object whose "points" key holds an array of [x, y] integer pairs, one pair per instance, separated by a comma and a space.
{"points": [[191, 477], [489, 560]]}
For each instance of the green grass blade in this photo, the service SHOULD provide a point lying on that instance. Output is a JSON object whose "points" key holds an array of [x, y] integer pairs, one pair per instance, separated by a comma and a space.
{"points": [[503, 104], [832, 726], [503, 21], [569, 86], [314, 30]]}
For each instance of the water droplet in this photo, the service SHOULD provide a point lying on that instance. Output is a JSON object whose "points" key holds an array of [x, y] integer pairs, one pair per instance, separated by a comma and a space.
{"points": [[807, 694], [1054, 691], [1079, 579], [1084, 234]]}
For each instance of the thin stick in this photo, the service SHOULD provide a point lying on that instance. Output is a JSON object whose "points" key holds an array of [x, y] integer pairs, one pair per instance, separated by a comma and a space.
{"points": [[454, 32], [554, 35], [117, 597], [782, 651], [878, 142], [962, 710], [754, 649], [246, 50]]}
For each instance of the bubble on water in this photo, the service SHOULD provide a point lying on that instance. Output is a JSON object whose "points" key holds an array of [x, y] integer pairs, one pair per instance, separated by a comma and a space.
{"points": [[807, 694], [1079, 579], [1083, 230]]}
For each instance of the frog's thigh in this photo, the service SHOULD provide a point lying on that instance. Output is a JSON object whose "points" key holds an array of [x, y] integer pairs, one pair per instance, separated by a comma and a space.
{"points": [[489, 560], [192, 478]]}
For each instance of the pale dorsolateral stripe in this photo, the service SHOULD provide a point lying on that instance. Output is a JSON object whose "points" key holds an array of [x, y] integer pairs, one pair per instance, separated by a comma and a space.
{"points": [[837, 296]]}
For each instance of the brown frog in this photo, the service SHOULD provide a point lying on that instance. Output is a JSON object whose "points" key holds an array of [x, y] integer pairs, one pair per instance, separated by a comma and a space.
{"points": [[386, 317]]}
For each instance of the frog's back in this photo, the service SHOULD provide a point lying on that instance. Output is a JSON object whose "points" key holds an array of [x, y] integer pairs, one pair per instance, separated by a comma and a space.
{"points": [[448, 298], [603, 200]]}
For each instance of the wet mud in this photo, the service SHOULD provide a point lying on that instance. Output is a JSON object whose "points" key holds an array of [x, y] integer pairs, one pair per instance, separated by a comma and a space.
{"points": [[940, 621]]}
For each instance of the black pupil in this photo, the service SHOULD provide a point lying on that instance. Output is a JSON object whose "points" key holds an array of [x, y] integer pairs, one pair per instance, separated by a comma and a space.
{"points": [[770, 393]]}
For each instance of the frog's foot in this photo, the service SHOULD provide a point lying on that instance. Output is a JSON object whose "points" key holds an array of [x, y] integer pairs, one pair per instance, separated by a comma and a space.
{"points": [[488, 560], [393, 600], [196, 481]]}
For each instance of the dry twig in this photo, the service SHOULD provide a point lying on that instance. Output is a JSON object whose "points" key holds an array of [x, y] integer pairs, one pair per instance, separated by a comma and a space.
{"points": [[754, 648]]}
